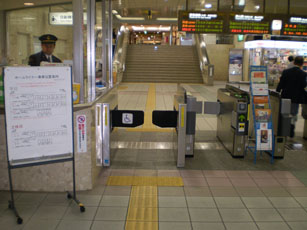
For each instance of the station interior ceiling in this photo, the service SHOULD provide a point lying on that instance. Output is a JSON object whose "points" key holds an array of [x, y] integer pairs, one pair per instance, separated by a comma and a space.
{"points": [[169, 8]]}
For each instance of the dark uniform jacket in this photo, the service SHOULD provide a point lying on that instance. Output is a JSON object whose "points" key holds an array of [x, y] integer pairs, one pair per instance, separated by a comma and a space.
{"points": [[36, 59], [292, 85]]}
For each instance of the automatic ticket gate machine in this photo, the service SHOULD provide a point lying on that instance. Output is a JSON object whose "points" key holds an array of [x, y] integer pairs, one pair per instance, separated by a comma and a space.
{"points": [[232, 120], [183, 119], [280, 115]]}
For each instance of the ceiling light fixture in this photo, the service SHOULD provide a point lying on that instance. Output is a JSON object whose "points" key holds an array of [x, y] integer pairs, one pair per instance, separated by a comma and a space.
{"points": [[208, 5], [114, 12], [29, 4], [241, 3], [129, 18], [257, 7], [167, 19]]}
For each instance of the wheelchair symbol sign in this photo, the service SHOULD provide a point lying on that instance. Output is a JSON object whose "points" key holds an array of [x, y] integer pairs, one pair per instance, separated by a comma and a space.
{"points": [[127, 118]]}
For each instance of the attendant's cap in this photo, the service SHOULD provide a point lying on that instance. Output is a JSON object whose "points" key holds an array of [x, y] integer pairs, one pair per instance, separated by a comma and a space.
{"points": [[48, 39]]}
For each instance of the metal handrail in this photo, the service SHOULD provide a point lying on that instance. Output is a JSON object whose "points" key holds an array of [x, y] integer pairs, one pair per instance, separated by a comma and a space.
{"points": [[119, 59]]}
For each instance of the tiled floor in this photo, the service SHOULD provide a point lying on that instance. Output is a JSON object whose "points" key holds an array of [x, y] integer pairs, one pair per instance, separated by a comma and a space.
{"points": [[219, 192], [193, 206]]}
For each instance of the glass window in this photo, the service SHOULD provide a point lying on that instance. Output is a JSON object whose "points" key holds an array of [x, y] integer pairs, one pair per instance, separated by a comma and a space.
{"points": [[208, 5], [276, 6], [253, 6], [298, 7], [25, 26], [225, 5]]}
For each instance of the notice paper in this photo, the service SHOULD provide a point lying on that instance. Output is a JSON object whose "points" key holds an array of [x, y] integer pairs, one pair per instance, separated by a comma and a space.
{"points": [[38, 112]]}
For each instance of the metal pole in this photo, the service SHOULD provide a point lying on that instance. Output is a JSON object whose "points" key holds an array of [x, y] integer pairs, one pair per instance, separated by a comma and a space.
{"points": [[264, 5], [78, 46], [110, 35], [91, 55], [104, 44], [218, 5], [289, 5], [3, 52]]}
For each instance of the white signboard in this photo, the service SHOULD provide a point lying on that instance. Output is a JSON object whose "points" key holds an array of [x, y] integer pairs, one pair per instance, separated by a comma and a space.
{"points": [[81, 133], [38, 110], [63, 18]]}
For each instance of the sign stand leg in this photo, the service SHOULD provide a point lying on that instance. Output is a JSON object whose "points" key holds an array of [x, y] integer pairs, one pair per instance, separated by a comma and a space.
{"points": [[12, 202], [74, 196]]}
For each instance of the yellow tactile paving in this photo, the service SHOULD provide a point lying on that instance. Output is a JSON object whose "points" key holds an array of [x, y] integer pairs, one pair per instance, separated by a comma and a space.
{"points": [[144, 191], [142, 214], [143, 201], [120, 180], [148, 126], [131, 225], [144, 181], [170, 181]]}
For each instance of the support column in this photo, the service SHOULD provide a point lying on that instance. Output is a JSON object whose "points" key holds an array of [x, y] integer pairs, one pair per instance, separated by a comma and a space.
{"points": [[3, 52], [104, 44], [78, 46], [91, 52], [110, 38]]}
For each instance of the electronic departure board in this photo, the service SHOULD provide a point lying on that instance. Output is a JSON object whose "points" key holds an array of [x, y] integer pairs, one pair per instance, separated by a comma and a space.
{"points": [[201, 22], [248, 24], [295, 26]]}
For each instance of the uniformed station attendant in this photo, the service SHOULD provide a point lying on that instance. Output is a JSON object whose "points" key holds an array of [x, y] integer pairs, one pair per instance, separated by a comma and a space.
{"points": [[48, 44]]}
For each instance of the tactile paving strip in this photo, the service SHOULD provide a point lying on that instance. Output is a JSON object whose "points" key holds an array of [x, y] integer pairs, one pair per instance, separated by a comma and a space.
{"points": [[144, 181]]}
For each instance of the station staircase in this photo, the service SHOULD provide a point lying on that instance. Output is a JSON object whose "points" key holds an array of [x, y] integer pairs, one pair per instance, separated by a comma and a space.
{"points": [[162, 64]]}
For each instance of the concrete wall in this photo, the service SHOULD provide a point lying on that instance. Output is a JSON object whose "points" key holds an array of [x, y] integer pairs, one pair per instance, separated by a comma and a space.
{"points": [[25, 26], [219, 57]]}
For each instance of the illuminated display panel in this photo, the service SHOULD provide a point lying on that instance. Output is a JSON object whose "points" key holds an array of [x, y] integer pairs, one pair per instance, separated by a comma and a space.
{"points": [[295, 26], [201, 22], [249, 24]]}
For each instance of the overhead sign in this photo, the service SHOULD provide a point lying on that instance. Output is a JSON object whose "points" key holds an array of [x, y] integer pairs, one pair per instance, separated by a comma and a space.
{"points": [[63, 18], [248, 24], [200, 22], [295, 26], [241, 23], [38, 111]]}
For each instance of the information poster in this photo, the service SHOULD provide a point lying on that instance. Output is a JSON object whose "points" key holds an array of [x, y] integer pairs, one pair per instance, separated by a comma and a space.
{"points": [[38, 109], [235, 65], [261, 108]]}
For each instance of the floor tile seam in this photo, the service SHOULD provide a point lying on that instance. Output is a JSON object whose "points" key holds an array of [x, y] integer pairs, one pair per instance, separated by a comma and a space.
{"points": [[218, 209], [300, 206], [277, 210], [186, 201]]}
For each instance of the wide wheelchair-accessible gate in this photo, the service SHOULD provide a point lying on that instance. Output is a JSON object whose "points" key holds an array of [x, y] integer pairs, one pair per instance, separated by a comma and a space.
{"points": [[182, 119]]}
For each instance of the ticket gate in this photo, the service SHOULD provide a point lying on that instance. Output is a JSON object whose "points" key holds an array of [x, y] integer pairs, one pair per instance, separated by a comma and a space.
{"points": [[281, 117], [183, 119], [232, 121]]}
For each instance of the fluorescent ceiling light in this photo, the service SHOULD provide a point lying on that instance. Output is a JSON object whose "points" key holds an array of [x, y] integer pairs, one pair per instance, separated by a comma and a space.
{"points": [[208, 5], [241, 2], [130, 18], [151, 28], [28, 18], [167, 19], [257, 7], [29, 4], [114, 12]]}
